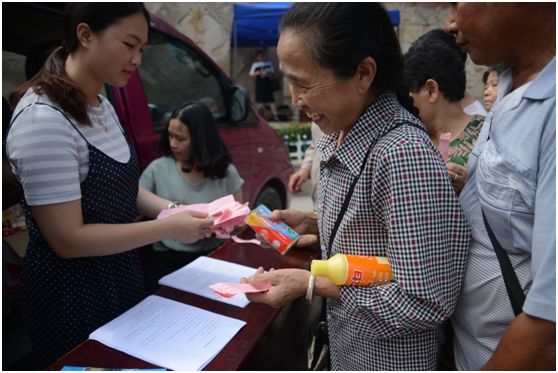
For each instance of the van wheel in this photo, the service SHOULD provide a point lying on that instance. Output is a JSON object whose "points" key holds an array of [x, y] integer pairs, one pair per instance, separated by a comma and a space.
{"points": [[269, 197]]}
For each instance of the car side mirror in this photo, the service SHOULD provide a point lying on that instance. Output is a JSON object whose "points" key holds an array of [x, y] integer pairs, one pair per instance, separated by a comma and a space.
{"points": [[240, 104]]}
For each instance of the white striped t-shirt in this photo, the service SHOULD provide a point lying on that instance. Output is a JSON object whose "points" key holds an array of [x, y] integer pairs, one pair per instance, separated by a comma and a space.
{"points": [[48, 155]]}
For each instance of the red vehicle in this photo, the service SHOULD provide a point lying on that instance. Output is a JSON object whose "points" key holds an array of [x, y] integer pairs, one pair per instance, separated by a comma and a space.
{"points": [[173, 71]]}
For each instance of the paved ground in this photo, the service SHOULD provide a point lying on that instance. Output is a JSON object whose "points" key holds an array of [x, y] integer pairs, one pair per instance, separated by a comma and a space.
{"points": [[303, 200]]}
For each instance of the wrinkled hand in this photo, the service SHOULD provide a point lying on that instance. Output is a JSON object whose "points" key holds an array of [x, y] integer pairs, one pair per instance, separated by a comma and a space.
{"points": [[190, 226], [308, 241], [287, 285], [297, 179], [458, 175], [303, 223]]}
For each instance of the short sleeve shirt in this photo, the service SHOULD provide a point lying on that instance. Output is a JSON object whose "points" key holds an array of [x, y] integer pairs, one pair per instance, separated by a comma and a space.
{"points": [[475, 108], [512, 173], [163, 179], [48, 155], [461, 147], [263, 66], [403, 208]]}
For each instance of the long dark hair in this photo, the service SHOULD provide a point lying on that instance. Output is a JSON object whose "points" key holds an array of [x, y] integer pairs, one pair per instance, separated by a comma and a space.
{"points": [[208, 152], [52, 79], [340, 35]]}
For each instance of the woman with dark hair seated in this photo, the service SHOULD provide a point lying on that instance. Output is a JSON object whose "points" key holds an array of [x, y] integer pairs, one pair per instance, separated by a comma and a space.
{"points": [[196, 168]]}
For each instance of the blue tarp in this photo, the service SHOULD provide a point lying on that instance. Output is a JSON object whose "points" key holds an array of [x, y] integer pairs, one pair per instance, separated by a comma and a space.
{"points": [[256, 24]]}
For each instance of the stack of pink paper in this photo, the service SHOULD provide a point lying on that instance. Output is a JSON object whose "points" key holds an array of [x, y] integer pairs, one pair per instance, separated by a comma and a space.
{"points": [[227, 212]]}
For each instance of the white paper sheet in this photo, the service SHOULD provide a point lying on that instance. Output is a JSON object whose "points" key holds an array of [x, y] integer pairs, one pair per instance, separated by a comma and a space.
{"points": [[196, 277], [169, 334]]}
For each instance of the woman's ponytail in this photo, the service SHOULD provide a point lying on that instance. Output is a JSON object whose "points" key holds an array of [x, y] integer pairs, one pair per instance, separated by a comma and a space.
{"points": [[52, 81]]}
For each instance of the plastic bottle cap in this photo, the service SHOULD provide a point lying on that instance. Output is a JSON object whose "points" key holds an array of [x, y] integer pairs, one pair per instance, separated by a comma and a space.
{"points": [[319, 267]]}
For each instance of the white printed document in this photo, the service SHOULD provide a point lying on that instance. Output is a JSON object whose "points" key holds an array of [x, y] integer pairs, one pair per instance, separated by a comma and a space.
{"points": [[169, 334], [196, 277]]}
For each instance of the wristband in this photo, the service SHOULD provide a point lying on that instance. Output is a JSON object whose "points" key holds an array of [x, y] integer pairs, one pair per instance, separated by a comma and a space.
{"points": [[310, 288]]}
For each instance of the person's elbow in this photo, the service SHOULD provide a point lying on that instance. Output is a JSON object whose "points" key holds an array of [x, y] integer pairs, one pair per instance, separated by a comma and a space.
{"points": [[63, 248], [238, 195], [70, 244]]}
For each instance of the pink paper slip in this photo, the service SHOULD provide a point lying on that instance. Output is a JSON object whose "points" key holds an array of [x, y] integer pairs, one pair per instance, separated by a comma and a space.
{"points": [[443, 145], [252, 241], [226, 211], [229, 290]]}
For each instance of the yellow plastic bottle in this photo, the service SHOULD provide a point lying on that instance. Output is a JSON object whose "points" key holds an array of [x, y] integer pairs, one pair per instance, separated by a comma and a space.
{"points": [[354, 270]]}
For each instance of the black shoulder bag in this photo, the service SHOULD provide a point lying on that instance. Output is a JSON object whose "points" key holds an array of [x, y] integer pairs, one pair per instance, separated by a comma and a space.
{"points": [[513, 287], [318, 347]]}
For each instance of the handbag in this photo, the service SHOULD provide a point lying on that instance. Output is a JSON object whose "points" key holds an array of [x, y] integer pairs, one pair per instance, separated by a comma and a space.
{"points": [[318, 341], [318, 344]]}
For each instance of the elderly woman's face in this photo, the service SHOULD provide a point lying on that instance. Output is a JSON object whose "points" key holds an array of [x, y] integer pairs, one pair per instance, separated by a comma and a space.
{"points": [[490, 93], [332, 103]]}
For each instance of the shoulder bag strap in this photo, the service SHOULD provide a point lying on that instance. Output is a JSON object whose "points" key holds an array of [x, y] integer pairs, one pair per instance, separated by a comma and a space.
{"points": [[323, 312], [346, 202], [54, 108], [355, 180], [513, 287]]}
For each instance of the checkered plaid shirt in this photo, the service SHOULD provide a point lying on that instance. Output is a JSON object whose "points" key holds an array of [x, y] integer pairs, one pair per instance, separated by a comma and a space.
{"points": [[403, 207]]}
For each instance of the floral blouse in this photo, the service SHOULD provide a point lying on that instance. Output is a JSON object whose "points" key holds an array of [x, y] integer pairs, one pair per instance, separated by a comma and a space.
{"points": [[462, 145]]}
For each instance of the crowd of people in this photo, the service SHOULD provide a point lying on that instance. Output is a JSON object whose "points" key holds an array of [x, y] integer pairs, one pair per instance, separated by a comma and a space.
{"points": [[414, 169], [501, 163]]}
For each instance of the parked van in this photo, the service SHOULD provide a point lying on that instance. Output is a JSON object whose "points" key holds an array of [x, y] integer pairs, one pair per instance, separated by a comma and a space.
{"points": [[173, 71]]}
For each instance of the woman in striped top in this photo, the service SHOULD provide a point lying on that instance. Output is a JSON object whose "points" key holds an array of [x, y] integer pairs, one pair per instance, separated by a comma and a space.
{"points": [[80, 180]]}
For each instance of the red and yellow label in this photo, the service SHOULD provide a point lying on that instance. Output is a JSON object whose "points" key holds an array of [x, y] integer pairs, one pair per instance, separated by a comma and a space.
{"points": [[367, 270], [277, 234]]}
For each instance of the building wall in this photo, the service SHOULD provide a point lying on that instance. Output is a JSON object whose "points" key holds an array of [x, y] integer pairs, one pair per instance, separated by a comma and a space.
{"points": [[210, 26], [419, 18]]}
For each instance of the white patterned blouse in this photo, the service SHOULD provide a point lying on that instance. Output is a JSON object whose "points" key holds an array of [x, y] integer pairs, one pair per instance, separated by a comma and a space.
{"points": [[403, 207]]}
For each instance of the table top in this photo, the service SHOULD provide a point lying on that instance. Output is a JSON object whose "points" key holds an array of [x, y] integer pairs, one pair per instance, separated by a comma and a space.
{"points": [[258, 317]]}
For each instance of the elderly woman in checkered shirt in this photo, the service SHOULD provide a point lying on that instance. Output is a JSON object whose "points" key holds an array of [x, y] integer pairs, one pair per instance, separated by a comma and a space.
{"points": [[344, 67]]}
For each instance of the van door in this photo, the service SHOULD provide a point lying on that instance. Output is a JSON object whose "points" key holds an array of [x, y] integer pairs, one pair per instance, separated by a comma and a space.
{"points": [[173, 73]]}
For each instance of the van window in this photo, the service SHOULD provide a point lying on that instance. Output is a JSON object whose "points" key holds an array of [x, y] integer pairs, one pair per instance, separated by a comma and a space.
{"points": [[173, 74], [15, 73]]}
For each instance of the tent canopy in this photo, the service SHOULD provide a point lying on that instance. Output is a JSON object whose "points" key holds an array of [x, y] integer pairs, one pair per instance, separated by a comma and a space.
{"points": [[257, 24]]}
